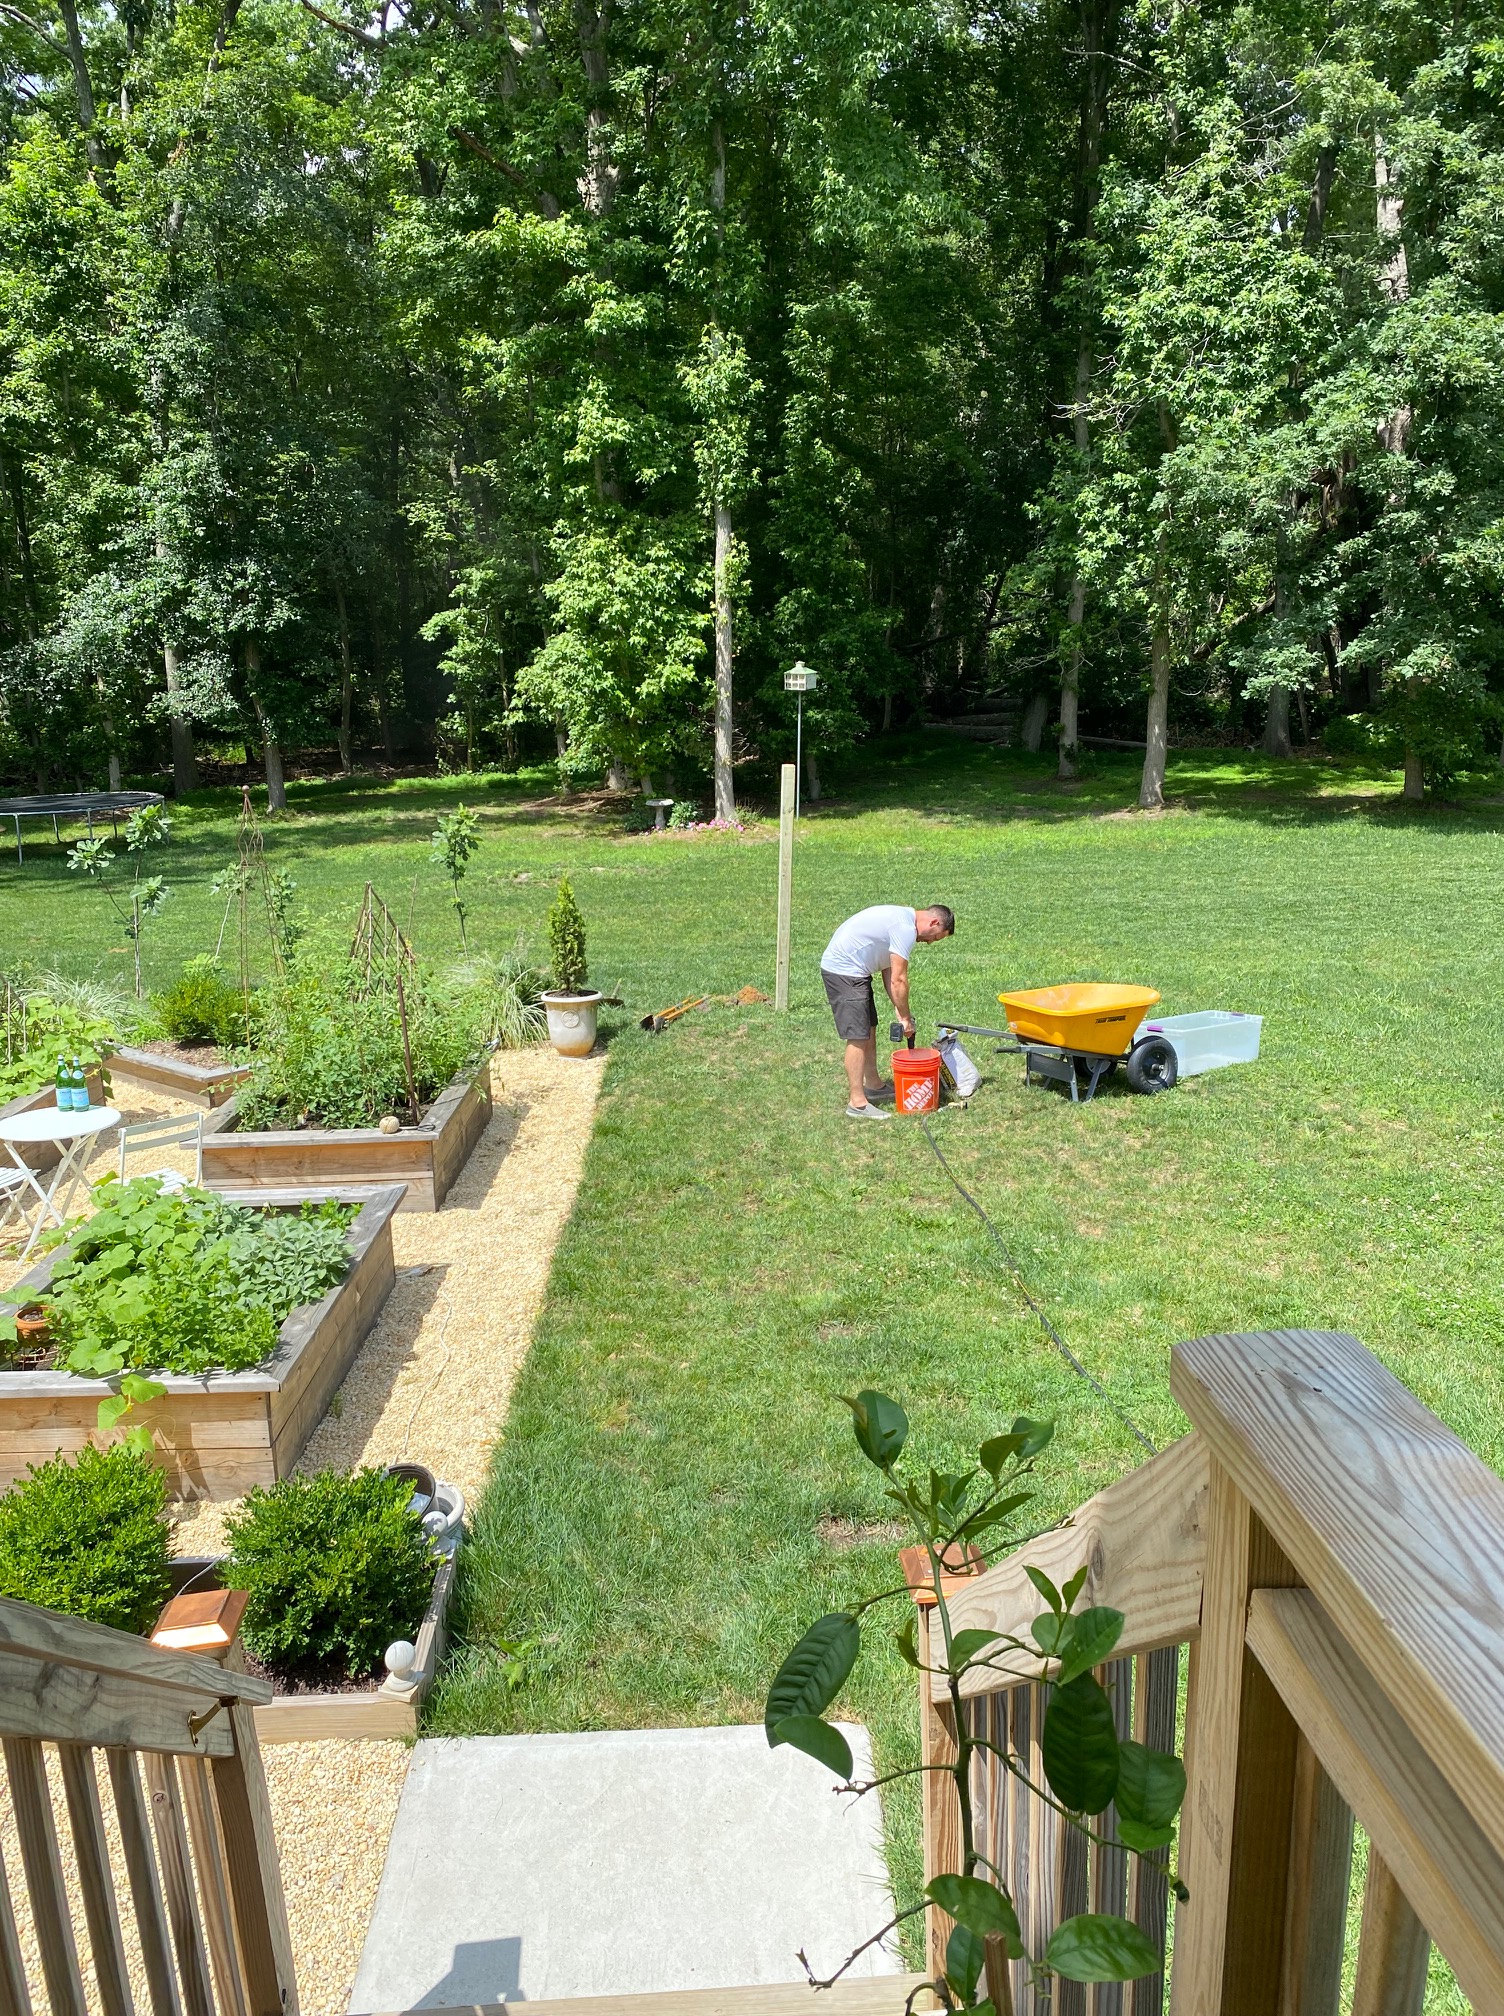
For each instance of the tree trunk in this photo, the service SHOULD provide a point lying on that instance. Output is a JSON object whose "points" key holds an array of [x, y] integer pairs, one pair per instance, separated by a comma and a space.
{"points": [[811, 777], [1031, 734], [14, 485], [112, 744], [1096, 31], [83, 88], [1151, 794], [1277, 722], [1070, 684], [725, 791], [346, 681], [184, 761], [1415, 783], [561, 740], [271, 752], [616, 777]]}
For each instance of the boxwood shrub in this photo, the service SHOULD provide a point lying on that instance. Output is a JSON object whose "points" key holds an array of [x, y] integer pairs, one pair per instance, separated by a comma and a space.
{"points": [[336, 1568], [89, 1537]]}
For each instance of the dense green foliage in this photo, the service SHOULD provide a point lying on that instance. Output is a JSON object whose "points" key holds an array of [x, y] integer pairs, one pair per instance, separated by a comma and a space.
{"points": [[329, 1050], [181, 1281], [337, 1568], [483, 375], [566, 941], [507, 992], [40, 1021], [201, 1006], [89, 1536]]}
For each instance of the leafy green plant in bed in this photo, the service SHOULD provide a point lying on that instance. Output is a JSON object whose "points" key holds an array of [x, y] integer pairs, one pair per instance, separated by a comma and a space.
{"points": [[336, 1568], [38, 1023], [202, 1007], [183, 1281], [331, 1055], [88, 1536]]}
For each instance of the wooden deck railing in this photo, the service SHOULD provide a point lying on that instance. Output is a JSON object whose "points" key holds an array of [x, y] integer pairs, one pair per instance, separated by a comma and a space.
{"points": [[165, 1895], [1327, 1559]]}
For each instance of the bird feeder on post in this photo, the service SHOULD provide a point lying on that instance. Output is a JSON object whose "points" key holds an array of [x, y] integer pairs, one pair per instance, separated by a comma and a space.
{"points": [[799, 680]]}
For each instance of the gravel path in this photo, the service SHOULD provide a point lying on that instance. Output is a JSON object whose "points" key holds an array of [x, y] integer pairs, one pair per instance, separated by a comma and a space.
{"points": [[433, 1381]]}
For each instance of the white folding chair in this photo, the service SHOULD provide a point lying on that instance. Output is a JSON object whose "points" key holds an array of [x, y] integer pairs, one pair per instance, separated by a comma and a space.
{"points": [[13, 1187], [176, 1130]]}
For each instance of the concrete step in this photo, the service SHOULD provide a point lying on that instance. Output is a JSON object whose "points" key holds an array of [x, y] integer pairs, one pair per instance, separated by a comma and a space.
{"points": [[624, 1862]]}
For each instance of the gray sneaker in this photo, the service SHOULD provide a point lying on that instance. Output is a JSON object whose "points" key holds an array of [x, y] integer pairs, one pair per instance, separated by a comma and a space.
{"points": [[867, 1113], [879, 1095]]}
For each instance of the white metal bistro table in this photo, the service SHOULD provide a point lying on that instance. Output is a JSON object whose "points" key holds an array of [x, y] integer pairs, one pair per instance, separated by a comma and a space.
{"points": [[76, 1134]]}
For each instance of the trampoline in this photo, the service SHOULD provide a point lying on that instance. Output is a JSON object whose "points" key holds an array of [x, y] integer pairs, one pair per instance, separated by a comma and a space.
{"points": [[90, 805]]}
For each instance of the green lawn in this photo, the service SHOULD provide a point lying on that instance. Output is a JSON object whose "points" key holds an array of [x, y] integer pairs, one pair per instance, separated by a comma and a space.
{"points": [[740, 1253]]}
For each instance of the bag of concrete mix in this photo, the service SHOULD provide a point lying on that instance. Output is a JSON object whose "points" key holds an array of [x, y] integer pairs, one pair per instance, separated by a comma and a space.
{"points": [[963, 1075]]}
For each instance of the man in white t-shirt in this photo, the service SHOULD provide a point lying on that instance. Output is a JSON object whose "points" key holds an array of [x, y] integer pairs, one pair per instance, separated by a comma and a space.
{"points": [[878, 940]]}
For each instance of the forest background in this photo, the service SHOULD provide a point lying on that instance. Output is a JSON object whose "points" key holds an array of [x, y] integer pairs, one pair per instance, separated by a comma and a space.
{"points": [[474, 379]]}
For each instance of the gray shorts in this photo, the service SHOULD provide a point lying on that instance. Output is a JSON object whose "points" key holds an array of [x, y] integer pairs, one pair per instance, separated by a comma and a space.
{"points": [[852, 1004]]}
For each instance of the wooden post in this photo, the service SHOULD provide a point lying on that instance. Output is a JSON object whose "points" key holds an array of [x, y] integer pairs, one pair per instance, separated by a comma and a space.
{"points": [[1235, 1831], [52, 1921], [941, 1810], [253, 1872], [785, 886], [1394, 1950], [1321, 1859], [81, 1789]]}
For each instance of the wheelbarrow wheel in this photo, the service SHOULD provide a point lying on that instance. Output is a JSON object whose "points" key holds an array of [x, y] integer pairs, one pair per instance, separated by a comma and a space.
{"points": [[1152, 1066]]}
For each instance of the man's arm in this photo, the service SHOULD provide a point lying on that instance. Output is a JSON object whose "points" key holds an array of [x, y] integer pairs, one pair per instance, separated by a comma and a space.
{"points": [[896, 980]]}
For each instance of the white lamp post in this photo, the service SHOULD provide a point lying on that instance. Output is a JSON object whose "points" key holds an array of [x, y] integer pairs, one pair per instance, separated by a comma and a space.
{"points": [[801, 681]]}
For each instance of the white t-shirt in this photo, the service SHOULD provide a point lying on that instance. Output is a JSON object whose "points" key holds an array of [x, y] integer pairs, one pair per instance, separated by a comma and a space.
{"points": [[869, 941]]}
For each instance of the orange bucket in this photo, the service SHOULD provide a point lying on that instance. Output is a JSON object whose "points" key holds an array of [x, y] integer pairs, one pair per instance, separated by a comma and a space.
{"points": [[916, 1080]]}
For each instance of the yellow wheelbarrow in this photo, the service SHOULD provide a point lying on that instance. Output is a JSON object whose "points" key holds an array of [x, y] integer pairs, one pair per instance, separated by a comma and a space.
{"points": [[1078, 1034]]}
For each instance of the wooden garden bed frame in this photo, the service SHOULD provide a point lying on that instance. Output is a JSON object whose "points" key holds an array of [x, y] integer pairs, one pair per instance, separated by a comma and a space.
{"points": [[380, 1715], [218, 1435], [206, 1085], [425, 1159]]}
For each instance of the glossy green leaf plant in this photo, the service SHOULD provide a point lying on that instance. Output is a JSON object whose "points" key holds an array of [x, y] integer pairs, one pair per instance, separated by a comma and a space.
{"points": [[1086, 1767]]}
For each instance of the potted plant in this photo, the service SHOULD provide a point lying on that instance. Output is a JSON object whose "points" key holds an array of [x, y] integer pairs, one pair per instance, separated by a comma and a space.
{"points": [[571, 1004]]}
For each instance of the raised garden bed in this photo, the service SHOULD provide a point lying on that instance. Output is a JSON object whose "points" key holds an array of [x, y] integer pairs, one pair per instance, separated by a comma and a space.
{"points": [[217, 1435], [206, 1085], [425, 1159], [372, 1712]]}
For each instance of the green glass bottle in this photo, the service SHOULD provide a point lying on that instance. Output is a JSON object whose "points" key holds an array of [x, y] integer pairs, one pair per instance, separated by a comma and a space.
{"points": [[80, 1087], [63, 1087]]}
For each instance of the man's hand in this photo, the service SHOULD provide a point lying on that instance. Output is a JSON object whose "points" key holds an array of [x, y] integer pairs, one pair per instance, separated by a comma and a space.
{"points": [[896, 980]]}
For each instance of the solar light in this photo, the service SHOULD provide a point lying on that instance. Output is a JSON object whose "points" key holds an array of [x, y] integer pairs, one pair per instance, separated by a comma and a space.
{"points": [[799, 679]]}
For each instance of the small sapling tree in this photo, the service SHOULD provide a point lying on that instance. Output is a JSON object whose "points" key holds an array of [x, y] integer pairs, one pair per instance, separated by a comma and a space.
{"points": [[147, 827], [1086, 1767], [455, 839], [566, 942]]}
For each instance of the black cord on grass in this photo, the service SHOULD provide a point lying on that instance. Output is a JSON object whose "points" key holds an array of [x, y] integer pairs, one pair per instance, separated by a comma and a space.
{"points": [[1049, 1328]]}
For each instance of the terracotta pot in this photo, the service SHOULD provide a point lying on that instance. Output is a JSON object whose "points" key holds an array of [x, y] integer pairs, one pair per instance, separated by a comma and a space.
{"points": [[31, 1327], [571, 1022]]}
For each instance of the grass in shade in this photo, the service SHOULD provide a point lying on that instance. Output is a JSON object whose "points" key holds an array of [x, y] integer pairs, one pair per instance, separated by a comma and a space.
{"points": [[677, 1491]]}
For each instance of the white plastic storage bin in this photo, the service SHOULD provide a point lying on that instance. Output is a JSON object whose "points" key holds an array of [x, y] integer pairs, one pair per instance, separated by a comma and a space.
{"points": [[1208, 1040]]}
